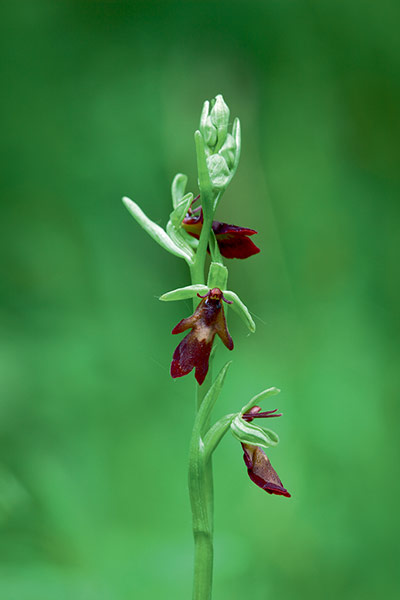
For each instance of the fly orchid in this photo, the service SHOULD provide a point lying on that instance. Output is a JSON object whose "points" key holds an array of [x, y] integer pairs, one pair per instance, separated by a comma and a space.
{"points": [[259, 467], [207, 321]]}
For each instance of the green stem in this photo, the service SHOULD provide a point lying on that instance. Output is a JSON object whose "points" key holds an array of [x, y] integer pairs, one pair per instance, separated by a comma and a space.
{"points": [[201, 499], [200, 471], [201, 487]]}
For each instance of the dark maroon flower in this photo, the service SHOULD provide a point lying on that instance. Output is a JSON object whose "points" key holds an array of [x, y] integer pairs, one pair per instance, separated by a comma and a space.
{"points": [[259, 467], [233, 241], [194, 350]]}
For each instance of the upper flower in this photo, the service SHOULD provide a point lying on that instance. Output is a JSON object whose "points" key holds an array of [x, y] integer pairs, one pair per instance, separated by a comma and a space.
{"points": [[259, 467], [194, 350], [233, 241]]}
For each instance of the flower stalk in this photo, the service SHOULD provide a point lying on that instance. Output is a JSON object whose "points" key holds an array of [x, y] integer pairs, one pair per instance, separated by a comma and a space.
{"points": [[200, 475], [201, 492]]}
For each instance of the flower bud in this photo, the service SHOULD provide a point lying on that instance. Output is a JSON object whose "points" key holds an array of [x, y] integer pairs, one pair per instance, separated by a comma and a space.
{"points": [[219, 171], [210, 133], [219, 116], [228, 150]]}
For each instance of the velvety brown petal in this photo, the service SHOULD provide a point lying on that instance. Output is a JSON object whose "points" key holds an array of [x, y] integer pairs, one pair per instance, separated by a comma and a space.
{"points": [[185, 324], [192, 353], [222, 330], [261, 472]]}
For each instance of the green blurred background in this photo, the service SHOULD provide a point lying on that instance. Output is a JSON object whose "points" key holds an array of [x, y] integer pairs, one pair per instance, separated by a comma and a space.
{"points": [[101, 99]]}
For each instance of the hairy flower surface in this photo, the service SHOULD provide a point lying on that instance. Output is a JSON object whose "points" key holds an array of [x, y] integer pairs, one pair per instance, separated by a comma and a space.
{"points": [[259, 467], [206, 322], [233, 241]]}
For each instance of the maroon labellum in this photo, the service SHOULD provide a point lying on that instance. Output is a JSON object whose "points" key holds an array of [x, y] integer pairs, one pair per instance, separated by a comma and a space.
{"points": [[261, 471], [233, 241], [259, 467], [207, 321]]}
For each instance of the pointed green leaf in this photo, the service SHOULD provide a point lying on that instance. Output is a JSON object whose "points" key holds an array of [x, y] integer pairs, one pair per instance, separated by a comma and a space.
{"points": [[210, 399], [217, 276], [178, 188], [155, 231], [247, 433], [256, 400], [241, 309], [190, 291]]}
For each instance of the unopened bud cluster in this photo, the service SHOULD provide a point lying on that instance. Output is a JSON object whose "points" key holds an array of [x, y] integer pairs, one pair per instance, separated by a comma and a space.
{"points": [[222, 148]]}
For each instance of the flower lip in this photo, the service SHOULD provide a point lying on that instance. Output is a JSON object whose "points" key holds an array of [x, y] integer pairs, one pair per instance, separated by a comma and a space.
{"points": [[259, 467], [261, 472], [233, 241]]}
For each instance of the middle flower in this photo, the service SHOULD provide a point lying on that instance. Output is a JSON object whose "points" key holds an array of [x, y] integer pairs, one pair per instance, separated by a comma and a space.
{"points": [[233, 241], [194, 350]]}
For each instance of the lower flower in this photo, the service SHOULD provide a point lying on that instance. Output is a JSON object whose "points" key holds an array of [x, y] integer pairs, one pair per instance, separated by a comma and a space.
{"points": [[259, 467], [206, 322], [261, 472]]}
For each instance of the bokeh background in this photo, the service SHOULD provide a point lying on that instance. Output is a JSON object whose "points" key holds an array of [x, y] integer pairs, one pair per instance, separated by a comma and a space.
{"points": [[101, 99]]}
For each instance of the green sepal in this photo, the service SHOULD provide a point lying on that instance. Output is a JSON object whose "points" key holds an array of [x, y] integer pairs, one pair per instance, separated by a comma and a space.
{"points": [[155, 231], [178, 188], [174, 226], [190, 291], [217, 276], [241, 309], [179, 239], [236, 134], [255, 401], [180, 210], [247, 433]]}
